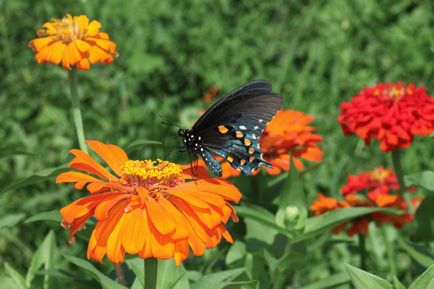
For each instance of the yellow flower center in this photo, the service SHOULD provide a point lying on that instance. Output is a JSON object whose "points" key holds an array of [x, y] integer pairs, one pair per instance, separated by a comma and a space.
{"points": [[151, 174], [396, 92], [380, 174]]}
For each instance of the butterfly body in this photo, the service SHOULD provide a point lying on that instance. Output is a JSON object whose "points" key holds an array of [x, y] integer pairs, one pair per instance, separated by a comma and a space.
{"points": [[232, 126]]}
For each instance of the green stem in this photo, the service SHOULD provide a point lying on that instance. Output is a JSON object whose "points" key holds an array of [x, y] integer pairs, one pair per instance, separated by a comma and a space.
{"points": [[362, 251], [120, 274], [396, 159], [389, 251], [76, 112], [151, 270]]}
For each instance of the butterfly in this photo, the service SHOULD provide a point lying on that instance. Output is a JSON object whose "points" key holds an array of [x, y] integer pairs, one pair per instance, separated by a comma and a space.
{"points": [[231, 128]]}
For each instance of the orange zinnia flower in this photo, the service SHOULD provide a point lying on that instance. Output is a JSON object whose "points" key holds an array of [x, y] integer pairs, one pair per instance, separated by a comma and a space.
{"points": [[287, 136], [390, 113], [73, 41], [149, 208]]}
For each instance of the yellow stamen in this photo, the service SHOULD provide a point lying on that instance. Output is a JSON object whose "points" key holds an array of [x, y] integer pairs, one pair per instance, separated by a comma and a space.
{"points": [[159, 171]]}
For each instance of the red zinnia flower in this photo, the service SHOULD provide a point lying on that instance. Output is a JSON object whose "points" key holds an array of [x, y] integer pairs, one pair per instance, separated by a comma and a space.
{"points": [[149, 208], [391, 113], [368, 189], [377, 182]]}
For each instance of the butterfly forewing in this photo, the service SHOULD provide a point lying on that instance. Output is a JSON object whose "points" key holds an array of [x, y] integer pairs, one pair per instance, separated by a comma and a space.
{"points": [[231, 128]]}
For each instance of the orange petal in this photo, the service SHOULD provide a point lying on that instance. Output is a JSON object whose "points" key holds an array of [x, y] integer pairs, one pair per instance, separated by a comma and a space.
{"points": [[39, 43], [83, 46], [134, 231], [93, 28], [104, 228], [75, 177], [94, 167], [159, 218], [115, 252], [181, 230], [114, 156]]}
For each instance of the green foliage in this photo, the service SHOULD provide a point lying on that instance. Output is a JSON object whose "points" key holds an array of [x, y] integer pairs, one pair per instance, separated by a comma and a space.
{"points": [[317, 54]]}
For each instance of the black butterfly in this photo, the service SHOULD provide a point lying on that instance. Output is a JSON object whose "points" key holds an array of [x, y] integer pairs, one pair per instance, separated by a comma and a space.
{"points": [[230, 128]]}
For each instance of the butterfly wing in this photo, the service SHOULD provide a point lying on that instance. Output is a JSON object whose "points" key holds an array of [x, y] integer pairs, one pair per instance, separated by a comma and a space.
{"points": [[232, 126]]}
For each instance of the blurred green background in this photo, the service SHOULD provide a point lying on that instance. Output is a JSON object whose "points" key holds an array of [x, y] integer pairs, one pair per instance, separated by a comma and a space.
{"points": [[317, 54]]}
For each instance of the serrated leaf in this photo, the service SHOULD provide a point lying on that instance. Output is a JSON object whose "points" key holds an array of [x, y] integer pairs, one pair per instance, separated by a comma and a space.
{"points": [[16, 276], [329, 282], [44, 255], [53, 216], [48, 174], [364, 280], [325, 222], [105, 281], [218, 280], [424, 281], [11, 220], [419, 254], [424, 179]]}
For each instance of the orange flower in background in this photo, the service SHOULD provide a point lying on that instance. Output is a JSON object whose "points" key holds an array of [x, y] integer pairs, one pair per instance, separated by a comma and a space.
{"points": [[377, 182], [287, 136], [149, 208], [390, 113], [368, 189], [74, 41]]}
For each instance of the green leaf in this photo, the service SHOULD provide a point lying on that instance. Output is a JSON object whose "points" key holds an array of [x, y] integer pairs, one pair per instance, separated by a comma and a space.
{"points": [[236, 252], [397, 284], [105, 281], [11, 220], [425, 221], [424, 179], [140, 143], [16, 276], [43, 256], [364, 280], [218, 280], [11, 150], [325, 222], [329, 282], [262, 216], [424, 281], [419, 254], [48, 174], [53, 216], [292, 201]]}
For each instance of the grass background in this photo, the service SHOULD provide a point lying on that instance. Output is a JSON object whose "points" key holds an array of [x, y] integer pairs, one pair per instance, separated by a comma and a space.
{"points": [[317, 54]]}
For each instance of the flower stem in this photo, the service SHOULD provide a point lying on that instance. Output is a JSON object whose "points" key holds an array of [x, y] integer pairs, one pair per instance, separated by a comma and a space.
{"points": [[151, 270], [362, 251], [396, 159], [120, 274], [76, 112], [389, 251]]}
